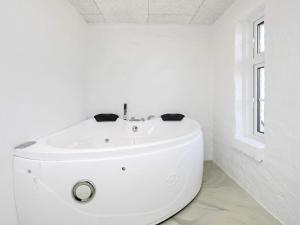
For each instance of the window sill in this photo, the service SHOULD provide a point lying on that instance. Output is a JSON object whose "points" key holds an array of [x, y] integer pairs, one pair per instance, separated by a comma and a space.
{"points": [[250, 147]]}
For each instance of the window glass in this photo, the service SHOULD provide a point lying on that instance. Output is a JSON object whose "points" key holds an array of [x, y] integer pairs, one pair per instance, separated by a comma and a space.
{"points": [[261, 38], [261, 99]]}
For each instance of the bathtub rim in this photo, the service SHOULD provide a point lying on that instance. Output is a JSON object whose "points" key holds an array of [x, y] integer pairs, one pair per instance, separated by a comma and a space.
{"points": [[53, 153]]}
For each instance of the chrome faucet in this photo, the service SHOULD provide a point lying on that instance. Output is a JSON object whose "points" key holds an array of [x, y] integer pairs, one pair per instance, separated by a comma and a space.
{"points": [[125, 116], [125, 111]]}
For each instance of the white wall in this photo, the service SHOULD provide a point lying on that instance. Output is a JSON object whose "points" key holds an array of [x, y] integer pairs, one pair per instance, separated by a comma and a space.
{"points": [[274, 183], [155, 69], [40, 79]]}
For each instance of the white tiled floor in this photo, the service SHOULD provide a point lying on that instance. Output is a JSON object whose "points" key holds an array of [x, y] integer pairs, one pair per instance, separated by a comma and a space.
{"points": [[221, 202]]}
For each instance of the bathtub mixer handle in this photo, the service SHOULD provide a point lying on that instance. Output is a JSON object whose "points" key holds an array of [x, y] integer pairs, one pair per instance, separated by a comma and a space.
{"points": [[142, 119], [133, 119], [150, 117]]}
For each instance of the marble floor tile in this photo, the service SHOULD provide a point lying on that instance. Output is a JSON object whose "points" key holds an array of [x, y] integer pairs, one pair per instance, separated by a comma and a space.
{"points": [[221, 202]]}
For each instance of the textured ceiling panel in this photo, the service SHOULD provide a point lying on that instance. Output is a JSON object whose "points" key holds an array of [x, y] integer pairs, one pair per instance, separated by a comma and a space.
{"points": [[204, 12], [181, 7], [210, 11], [124, 11], [86, 6], [94, 18], [169, 19]]}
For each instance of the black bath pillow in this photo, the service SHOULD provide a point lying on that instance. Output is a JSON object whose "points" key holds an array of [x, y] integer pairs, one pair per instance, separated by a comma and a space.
{"points": [[108, 117], [172, 117]]}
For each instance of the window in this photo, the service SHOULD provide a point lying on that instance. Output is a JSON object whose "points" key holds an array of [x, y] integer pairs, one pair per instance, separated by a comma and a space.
{"points": [[259, 77], [250, 85]]}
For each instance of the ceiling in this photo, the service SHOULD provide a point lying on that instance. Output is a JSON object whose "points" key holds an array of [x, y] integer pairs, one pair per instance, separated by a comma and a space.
{"points": [[203, 12]]}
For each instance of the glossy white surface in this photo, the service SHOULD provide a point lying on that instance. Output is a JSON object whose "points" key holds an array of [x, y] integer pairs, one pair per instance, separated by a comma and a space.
{"points": [[153, 175], [90, 138]]}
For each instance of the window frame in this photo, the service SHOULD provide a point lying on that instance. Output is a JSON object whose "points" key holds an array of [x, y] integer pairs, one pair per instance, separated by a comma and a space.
{"points": [[256, 36], [257, 63]]}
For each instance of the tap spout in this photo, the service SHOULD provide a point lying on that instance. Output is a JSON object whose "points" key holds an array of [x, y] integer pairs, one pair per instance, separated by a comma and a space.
{"points": [[125, 111]]}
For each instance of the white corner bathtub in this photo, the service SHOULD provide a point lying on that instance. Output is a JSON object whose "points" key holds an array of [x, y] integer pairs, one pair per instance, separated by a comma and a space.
{"points": [[109, 173]]}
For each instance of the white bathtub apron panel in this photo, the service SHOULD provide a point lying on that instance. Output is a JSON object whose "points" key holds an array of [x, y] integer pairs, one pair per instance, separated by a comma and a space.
{"points": [[138, 185]]}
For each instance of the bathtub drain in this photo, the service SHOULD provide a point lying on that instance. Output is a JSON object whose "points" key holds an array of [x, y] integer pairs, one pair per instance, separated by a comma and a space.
{"points": [[83, 191]]}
